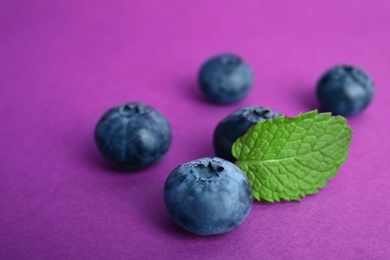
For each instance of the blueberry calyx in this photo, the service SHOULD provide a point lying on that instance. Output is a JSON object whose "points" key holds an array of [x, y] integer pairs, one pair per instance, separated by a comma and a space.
{"points": [[229, 60], [207, 172], [132, 109]]}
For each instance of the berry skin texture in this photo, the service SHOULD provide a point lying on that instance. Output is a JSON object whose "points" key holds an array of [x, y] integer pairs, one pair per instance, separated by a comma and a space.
{"points": [[236, 125], [132, 136], [345, 90], [208, 196], [225, 79]]}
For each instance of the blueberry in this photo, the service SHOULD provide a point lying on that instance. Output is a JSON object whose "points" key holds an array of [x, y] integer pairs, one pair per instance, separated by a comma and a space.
{"points": [[133, 135], [208, 196], [236, 125], [345, 90], [225, 79]]}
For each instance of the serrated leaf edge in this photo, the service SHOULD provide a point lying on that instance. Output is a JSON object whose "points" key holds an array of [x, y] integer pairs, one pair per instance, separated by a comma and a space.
{"points": [[282, 119]]}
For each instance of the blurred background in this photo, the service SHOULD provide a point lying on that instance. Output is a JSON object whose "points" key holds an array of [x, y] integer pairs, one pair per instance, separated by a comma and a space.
{"points": [[64, 63]]}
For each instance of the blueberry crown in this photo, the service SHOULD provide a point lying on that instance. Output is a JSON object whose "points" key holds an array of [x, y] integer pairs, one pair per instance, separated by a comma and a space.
{"points": [[207, 172], [132, 109]]}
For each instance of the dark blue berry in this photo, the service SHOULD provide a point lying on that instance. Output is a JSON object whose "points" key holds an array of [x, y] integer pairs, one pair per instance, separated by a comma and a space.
{"points": [[236, 125], [345, 90], [133, 135], [208, 196], [225, 79]]}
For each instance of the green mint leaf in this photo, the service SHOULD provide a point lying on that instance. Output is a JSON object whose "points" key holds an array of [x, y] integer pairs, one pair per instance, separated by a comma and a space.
{"points": [[289, 158]]}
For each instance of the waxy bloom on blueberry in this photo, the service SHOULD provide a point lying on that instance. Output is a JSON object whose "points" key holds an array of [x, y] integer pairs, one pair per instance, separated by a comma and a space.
{"points": [[225, 79], [133, 135], [345, 90], [236, 125], [208, 196]]}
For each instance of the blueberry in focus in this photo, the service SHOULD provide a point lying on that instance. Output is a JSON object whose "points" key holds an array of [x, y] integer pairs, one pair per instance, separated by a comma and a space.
{"points": [[208, 196], [225, 79], [133, 135], [345, 90], [236, 125]]}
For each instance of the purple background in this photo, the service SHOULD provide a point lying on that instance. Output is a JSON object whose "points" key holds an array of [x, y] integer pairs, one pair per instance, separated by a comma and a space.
{"points": [[64, 63]]}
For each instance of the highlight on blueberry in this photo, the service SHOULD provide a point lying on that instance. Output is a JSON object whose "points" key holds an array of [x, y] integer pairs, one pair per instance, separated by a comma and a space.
{"points": [[133, 135], [208, 196], [225, 79], [345, 90], [236, 125]]}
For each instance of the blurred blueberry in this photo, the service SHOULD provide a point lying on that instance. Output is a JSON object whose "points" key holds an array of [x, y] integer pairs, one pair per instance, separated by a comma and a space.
{"points": [[225, 79], [208, 196], [236, 125], [345, 90], [133, 135]]}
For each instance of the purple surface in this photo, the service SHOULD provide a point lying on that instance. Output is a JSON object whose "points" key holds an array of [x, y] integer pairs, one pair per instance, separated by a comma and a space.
{"points": [[63, 63]]}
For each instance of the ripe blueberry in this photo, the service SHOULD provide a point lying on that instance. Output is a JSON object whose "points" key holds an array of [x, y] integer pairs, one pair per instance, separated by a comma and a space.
{"points": [[345, 90], [225, 79], [133, 135], [208, 196], [236, 125]]}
